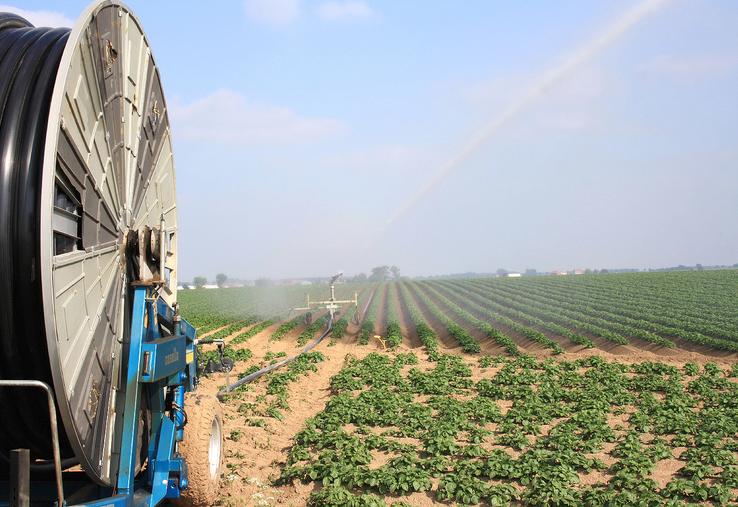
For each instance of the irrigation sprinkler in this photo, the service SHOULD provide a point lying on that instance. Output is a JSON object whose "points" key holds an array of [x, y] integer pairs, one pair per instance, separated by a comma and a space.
{"points": [[332, 304]]}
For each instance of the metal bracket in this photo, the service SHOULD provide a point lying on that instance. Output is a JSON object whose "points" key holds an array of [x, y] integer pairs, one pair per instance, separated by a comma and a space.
{"points": [[37, 384]]}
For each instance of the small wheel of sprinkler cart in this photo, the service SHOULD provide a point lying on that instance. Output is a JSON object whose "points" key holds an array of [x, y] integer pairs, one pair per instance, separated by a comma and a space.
{"points": [[222, 364]]}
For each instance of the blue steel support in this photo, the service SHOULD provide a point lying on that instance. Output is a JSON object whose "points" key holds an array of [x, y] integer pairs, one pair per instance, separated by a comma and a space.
{"points": [[128, 450], [157, 362], [162, 464], [179, 415]]}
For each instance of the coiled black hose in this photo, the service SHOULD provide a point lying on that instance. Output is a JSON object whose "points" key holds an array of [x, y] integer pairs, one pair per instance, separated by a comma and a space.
{"points": [[29, 60]]}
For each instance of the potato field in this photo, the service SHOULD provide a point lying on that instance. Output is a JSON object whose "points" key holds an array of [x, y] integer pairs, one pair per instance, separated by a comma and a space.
{"points": [[615, 389]]}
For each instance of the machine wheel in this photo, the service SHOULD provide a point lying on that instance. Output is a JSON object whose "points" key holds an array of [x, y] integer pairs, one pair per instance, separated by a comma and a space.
{"points": [[202, 449]]}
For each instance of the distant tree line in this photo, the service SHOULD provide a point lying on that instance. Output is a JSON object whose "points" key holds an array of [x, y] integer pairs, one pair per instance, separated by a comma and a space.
{"points": [[201, 281], [378, 274]]}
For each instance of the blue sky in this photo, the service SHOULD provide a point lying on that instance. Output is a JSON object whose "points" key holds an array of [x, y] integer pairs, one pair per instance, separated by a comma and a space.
{"points": [[302, 127]]}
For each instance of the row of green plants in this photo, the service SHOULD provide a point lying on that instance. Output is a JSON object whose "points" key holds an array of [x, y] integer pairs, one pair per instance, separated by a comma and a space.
{"points": [[648, 317], [521, 430], [692, 298], [309, 332], [467, 342], [425, 332], [232, 328], [584, 311], [523, 313], [251, 332], [500, 319], [393, 331], [368, 322], [571, 320], [287, 326]]}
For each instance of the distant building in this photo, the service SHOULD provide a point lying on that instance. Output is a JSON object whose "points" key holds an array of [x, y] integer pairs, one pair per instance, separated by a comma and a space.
{"points": [[514, 275], [578, 271], [210, 286]]}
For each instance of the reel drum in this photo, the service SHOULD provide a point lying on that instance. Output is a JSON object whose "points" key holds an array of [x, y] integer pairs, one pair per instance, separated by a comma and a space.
{"points": [[92, 208]]}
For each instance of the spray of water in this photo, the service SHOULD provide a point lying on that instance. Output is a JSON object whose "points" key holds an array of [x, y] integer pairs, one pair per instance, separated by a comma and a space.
{"points": [[538, 88]]}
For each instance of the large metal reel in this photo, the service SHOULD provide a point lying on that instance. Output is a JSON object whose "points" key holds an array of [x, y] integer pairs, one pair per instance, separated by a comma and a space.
{"points": [[107, 170]]}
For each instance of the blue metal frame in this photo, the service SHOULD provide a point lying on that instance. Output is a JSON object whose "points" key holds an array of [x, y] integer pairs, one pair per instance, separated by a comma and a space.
{"points": [[161, 368], [156, 364]]}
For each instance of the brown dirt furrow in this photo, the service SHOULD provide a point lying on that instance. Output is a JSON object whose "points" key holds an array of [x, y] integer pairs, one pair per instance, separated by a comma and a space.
{"points": [[363, 308], [409, 334], [380, 324], [446, 341], [488, 345], [692, 349], [522, 341], [254, 454], [291, 337]]}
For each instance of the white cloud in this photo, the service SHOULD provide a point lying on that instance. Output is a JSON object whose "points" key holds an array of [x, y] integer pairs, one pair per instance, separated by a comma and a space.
{"points": [[226, 116], [344, 9], [40, 18], [692, 65], [272, 12]]}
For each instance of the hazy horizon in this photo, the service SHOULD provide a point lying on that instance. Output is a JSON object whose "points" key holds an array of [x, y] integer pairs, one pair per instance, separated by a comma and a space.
{"points": [[595, 270], [336, 135]]}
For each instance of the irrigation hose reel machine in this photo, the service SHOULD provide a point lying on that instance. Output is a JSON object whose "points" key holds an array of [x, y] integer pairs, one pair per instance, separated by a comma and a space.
{"points": [[90, 333]]}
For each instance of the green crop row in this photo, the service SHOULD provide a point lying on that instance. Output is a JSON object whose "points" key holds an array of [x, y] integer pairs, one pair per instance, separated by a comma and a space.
{"points": [[612, 420], [393, 331], [426, 335], [369, 321]]}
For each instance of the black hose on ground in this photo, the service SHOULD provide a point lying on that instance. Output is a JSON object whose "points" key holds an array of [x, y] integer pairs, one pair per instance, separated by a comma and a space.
{"points": [[253, 376]]}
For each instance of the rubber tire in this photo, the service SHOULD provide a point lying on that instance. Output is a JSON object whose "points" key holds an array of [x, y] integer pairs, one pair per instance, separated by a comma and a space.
{"points": [[201, 410]]}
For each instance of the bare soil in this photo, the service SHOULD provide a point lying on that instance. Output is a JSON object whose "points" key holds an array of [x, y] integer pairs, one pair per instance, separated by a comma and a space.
{"points": [[406, 325], [257, 445]]}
